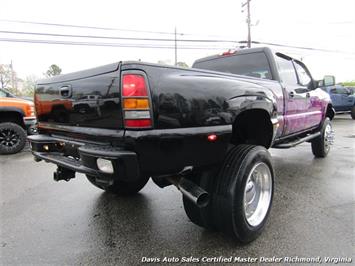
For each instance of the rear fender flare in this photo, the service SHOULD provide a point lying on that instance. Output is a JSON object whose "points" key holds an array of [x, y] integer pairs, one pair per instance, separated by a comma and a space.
{"points": [[12, 109], [243, 103]]}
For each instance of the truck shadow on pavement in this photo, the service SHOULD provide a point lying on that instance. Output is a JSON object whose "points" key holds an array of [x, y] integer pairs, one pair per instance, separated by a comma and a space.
{"points": [[154, 222]]}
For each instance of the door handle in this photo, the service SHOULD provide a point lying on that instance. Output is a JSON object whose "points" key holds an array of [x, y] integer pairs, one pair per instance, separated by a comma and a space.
{"points": [[65, 91], [291, 94]]}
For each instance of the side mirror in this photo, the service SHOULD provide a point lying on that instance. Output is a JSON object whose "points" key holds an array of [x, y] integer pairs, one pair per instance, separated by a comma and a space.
{"points": [[318, 83], [328, 80]]}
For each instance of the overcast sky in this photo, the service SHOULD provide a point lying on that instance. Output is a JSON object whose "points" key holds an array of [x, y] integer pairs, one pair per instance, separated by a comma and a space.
{"points": [[320, 24]]}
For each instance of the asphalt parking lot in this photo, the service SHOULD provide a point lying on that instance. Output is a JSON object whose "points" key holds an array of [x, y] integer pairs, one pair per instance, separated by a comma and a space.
{"points": [[45, 222]]}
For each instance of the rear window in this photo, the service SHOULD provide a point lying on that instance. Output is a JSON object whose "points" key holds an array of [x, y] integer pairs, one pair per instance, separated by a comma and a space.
{"points": [[253, 65]]}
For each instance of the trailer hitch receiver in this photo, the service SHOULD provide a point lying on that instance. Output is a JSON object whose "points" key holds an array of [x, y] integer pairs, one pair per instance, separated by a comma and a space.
{"points": [[63, 174]]}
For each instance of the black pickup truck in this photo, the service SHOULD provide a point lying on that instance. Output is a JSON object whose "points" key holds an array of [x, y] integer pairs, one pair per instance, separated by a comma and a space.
{"points": [[205, 130]]}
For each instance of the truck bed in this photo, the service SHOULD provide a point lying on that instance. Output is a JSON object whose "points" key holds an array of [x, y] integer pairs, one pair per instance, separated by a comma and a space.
{"points": [[92, 98]]}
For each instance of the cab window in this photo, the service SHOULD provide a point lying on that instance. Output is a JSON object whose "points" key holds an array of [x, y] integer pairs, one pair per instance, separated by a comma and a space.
{"points": [[251, 64], [286, 70], [339, 91], [303, 78], [4, 94]]}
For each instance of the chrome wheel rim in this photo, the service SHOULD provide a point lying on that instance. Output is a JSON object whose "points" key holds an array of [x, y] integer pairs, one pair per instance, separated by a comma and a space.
{"points": [[257, 194], [328, 137], [9, 137]]}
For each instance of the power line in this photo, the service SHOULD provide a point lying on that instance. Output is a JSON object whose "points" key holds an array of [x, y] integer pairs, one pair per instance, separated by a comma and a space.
{"points": [[84, 26], [300, 47], [168, 40], [110, 44], [146, 39], [105, 28], [115, 37], [150, 39]]}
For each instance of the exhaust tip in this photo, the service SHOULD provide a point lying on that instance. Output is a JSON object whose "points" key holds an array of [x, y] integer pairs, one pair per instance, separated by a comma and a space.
{"points": [[203, 200], [191, 191]]}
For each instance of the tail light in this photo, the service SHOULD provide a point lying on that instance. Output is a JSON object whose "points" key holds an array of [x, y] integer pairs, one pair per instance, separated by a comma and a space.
{"points": [[135, 101], [229, 52], [30, 110]]}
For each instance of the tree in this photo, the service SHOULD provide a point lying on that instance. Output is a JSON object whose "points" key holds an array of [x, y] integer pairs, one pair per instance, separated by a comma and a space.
{"points": [[29, 85], [53, 70], [349, 83], [182, 64], [5, 76]]}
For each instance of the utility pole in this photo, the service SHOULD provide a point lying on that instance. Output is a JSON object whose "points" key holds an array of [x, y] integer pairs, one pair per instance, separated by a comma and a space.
{"points": [[248, 21], [247, 3], [175, 48], [12, 76]]}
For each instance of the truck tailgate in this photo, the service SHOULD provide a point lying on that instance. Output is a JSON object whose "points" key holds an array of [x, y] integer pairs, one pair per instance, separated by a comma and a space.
{"points": [[89, 98]]}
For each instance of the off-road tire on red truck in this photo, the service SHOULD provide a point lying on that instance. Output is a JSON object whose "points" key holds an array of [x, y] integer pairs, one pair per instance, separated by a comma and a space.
{"points": [[321, 145], [353, 112], [12, 138], [121, 188], [245, 181]]}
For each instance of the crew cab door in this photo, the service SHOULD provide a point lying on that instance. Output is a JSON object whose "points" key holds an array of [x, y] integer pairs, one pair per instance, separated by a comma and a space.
{"points": [[342, 98], [347, 99], [296, 95], [336, 98], [313, 112]]}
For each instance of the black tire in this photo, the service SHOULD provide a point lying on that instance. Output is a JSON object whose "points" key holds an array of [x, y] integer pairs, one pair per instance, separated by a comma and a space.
{"points": [[228, 205], [202, 216], [12, 138], [320, 145], [353, 112], [121, 188], [83, 109]]}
